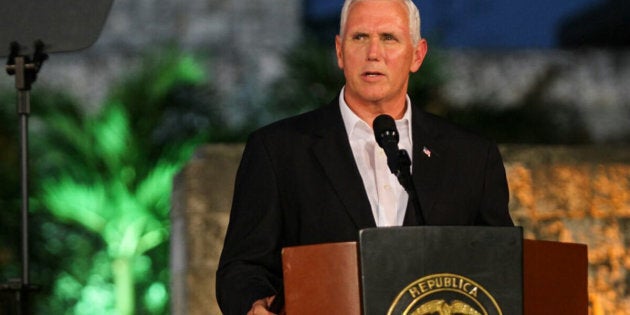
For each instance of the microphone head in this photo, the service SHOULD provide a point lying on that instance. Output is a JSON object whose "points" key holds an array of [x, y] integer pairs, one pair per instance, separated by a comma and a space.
{"points": [[385, 132]]}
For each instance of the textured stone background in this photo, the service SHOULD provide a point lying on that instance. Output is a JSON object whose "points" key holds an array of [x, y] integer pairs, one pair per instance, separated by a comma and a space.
{"points": [[582, 195], [569, 194]]}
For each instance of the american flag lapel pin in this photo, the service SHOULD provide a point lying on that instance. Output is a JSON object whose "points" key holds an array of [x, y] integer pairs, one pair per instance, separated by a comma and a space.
{"points": [[426, 151]]}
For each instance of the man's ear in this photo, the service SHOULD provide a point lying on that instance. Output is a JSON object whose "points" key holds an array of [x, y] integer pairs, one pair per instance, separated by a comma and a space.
{"points": [[339, 51], [418, 55]]}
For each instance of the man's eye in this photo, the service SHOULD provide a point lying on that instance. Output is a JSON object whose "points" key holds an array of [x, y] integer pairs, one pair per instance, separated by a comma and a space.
{"points": [[388, 37], [359, 36]]}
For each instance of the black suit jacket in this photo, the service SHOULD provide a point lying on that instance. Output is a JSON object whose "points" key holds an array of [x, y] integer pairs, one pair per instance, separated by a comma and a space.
{"points": [[298, 184]]}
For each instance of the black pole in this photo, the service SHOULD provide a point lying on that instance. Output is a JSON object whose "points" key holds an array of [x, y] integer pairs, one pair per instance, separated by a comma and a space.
{"points": [[25, 71], [75, 25], [404, 178], [23, 112], [23, 104]]}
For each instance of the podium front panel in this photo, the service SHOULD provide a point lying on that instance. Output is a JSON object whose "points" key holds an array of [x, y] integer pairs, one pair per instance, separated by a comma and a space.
{"points": [[444, 270], [321, 279], [555, 278]]}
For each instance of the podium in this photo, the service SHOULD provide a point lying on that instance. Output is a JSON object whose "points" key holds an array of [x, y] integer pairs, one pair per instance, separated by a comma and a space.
{"points": [[441, 270]]}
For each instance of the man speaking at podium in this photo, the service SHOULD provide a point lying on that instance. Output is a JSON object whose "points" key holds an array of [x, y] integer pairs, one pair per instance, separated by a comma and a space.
{"points": [[321, 177]]}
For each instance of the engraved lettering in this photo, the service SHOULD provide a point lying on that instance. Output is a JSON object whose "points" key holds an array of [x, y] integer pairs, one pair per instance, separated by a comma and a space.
{"points": [[429, 290], [465, 288], [473, 292], [414, 292], [423, 287]]}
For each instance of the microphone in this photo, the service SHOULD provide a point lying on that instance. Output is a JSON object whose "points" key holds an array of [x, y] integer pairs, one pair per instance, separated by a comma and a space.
{"points": [[398, 160], [387, 138]]}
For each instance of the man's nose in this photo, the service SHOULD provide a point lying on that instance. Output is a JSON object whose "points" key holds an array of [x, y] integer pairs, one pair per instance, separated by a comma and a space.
{"points": [[374, 50]]}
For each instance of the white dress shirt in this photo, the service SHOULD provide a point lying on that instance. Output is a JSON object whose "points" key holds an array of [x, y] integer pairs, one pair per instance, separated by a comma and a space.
{"points": [[362, 142]]}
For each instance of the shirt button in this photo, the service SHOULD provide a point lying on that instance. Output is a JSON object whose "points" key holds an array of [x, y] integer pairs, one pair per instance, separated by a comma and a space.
{"points": [[387, 187]]}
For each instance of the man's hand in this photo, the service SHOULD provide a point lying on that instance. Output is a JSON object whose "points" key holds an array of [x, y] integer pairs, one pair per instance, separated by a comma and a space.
{"points": [[261, 307]]}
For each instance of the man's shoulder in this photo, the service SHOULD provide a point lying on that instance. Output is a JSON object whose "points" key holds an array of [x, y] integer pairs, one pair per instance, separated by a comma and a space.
{"points": [[313, 121], [441, 127]]}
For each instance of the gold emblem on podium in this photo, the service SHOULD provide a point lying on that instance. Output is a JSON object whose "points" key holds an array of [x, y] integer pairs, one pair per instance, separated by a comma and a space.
{"points": [[444, 294]]}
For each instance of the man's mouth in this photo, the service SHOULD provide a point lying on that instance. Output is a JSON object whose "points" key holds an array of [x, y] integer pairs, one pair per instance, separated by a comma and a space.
{"points": [[371, 74]]}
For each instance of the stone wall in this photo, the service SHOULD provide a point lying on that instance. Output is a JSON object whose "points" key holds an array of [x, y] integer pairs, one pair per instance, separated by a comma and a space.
{"points": [[581, 195], [202, 196], [569, 194]]}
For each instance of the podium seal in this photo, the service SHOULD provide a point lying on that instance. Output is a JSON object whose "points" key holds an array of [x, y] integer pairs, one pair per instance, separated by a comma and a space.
{"points": [[444, 293]]}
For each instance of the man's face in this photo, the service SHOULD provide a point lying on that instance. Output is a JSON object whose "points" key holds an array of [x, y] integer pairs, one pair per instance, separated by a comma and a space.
{"points": [[376, 52]]}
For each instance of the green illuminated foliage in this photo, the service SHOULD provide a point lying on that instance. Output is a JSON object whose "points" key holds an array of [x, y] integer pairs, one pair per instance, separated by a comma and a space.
{"points": [[111, 174]]}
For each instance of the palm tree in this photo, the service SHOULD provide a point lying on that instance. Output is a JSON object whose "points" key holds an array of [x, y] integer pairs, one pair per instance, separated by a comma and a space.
{"points": [[111, 173]]}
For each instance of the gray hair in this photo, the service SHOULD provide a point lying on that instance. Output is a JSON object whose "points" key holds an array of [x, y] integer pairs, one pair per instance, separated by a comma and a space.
{"points": [[414, 18]]}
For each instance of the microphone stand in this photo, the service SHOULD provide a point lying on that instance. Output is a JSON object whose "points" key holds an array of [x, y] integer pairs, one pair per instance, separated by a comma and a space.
{"points": [[25, 70], [403, 174], [398, 160]]}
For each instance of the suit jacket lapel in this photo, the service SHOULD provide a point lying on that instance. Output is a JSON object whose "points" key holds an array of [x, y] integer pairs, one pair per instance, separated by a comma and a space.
{"points": [[333, 151], [428, 162]]}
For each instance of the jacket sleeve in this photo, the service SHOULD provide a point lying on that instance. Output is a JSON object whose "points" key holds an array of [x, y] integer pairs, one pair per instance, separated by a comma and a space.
{"points": [[494, 203], [250, 264]]}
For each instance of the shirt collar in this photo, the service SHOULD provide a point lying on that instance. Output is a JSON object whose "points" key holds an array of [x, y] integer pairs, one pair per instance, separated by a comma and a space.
{"points": [[352, 122]]}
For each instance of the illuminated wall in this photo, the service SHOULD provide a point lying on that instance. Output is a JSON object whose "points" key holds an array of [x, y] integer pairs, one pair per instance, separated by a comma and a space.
{"points": [[558, 193]]}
